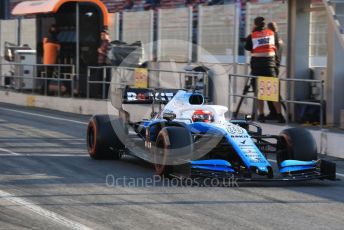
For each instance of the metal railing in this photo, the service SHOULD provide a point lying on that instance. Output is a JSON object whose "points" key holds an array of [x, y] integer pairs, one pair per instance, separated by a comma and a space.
{"points": [[125, 76], [36, 78], [288, 100], [47, 79]]}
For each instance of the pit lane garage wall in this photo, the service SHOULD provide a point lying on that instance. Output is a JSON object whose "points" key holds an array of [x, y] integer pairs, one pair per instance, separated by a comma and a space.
{"points": [[8, 32], [70, 105]]}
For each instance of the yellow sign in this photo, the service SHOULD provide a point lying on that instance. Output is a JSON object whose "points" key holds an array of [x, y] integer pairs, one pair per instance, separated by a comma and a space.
{"points": [[31, 101], [141, 78], [268, 89]]}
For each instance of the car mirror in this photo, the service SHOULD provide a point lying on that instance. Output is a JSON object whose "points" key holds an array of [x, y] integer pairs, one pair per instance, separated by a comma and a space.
{"points": [[248, 117]]}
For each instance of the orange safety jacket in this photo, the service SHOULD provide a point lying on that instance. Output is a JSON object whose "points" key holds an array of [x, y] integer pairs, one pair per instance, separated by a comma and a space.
{"points": [[263, 43], [50, 52]]}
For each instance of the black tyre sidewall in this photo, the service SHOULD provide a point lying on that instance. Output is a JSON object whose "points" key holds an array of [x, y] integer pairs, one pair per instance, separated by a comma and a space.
{"points": [[177, 144], [107, 144], [299, 144]]}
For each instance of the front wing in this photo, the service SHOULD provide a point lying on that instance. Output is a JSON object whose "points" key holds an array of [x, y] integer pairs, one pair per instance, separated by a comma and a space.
{"points": [[326, 170]]}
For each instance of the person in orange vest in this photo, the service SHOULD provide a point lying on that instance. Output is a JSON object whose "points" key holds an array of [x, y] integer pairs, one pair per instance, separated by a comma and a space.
{"points": [[51, 48], [263, 46]]}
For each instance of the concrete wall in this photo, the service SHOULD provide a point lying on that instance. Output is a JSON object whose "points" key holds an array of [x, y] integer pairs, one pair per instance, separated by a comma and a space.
{"points": [[28, 32], [8, 33], [79, 106], [217, 33], [174, 33], [9, 29], [138, 26], [114, 26]]}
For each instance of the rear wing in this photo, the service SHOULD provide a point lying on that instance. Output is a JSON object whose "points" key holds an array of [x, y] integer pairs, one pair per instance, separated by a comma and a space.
{"points": [[147, 95], [141, 91]]}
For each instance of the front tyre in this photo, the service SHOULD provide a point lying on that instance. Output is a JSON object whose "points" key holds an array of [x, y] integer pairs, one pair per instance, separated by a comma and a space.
{"points": [[174, 146], [296, 144]]}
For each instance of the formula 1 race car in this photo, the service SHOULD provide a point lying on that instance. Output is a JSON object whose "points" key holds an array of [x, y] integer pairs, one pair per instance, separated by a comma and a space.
{"points": [[188, 138]]}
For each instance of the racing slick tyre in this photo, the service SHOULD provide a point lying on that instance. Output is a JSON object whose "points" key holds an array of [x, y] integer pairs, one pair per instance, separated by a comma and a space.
{"points": [[174, 146], [102, 140], [296, 144]]}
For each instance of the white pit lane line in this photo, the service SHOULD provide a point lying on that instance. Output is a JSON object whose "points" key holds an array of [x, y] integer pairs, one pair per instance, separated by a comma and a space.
{"points": [[57, 218], [31, 206], [43, 155], [10, 152], [340, 174], [45, 116]]}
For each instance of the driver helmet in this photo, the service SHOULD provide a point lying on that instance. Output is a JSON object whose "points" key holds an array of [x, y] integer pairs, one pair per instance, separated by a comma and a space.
{"points": [[202, 116]]}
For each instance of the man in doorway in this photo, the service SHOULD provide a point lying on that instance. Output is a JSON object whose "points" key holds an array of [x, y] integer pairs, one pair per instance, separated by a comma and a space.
{"points": [[102, 56], [263, 46], [104, 46], [51, 48]]}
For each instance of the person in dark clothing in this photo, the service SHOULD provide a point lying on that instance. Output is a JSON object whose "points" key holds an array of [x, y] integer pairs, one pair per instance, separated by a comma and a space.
{"points": [[104, 46], [263, 45], [273, 26], [151, 4], [215, 2], [53, 34], [51, 48], [193, 3], [102, 57], [278, 57], [128, 4]]}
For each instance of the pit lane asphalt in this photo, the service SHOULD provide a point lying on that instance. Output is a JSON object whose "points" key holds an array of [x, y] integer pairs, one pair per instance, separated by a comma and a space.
{"points": [[47, 181]]}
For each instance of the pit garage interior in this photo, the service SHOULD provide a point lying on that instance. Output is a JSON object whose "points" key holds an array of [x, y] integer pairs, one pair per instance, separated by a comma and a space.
{"points": [[79, 24]]}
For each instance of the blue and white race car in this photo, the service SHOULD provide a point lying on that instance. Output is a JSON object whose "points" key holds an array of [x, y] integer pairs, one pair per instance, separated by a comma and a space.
{"points": [[188, 138]]}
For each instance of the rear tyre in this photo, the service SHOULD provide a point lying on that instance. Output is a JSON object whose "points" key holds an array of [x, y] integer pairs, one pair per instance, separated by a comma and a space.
{"points": [[103, 141], [174, 146], [296, 144]]}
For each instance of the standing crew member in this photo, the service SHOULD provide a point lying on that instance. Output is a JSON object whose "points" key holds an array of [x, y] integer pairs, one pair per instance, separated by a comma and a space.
{"points": [[51, 48], [102, 56], [263, 46], [273, 26], [104, 46], [278, 58]]}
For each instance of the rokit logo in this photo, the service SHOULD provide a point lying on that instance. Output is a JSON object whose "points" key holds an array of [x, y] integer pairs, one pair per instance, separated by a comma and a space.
{"points": [[158, 96]]}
